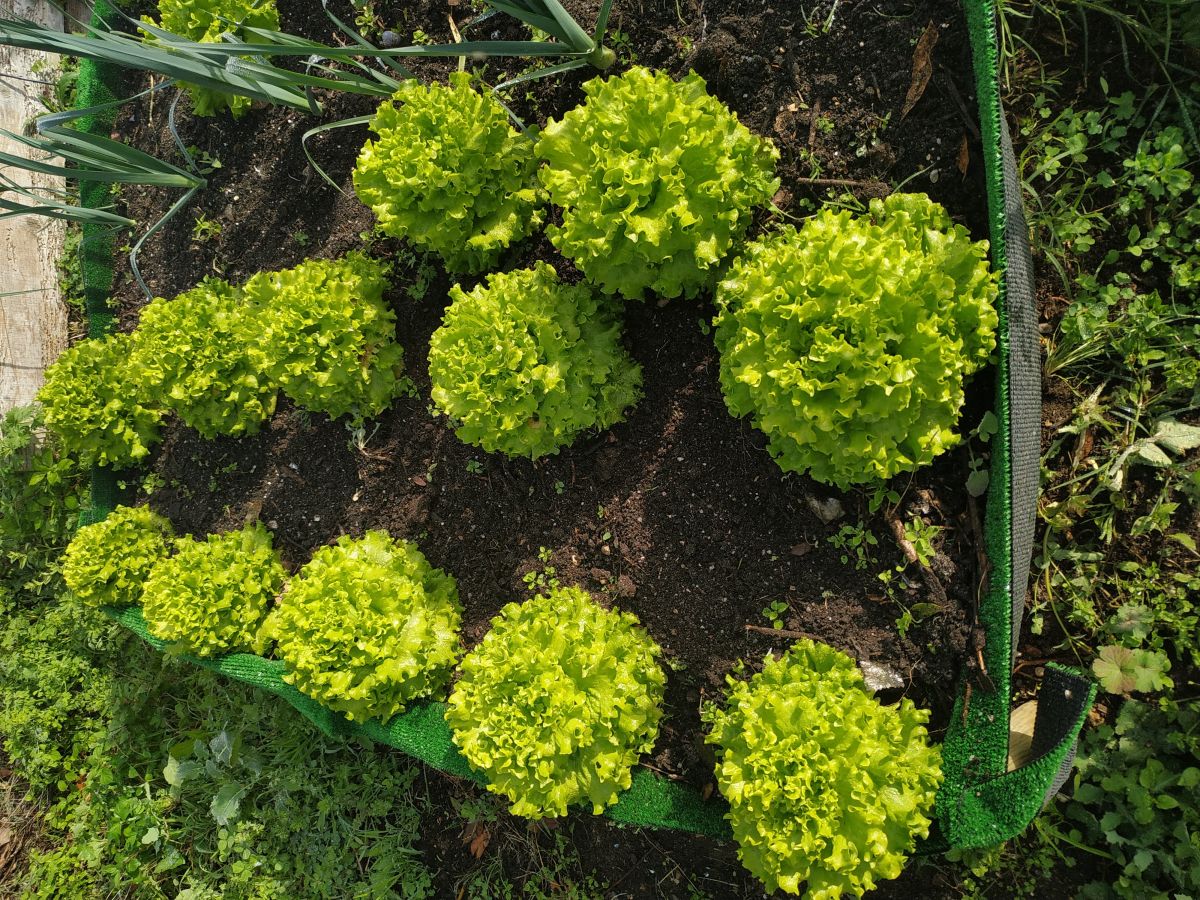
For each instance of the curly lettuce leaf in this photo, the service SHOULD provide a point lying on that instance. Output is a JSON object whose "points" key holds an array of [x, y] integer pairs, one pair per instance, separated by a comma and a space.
{"points": [[204, 21], [524, 365], [107, 563], [826, 786], [99, 403], [657, 181], [847, 341], [449, 173], [557, 702], [211, 597], [324, 333], [366, 626], [204, 372]]}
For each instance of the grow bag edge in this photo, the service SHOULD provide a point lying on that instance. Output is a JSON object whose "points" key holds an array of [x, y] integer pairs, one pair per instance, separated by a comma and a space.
{"points": [[980, 803]]}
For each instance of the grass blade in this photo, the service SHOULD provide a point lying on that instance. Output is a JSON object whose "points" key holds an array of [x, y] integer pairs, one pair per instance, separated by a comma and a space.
{"points": [[320, 129], [170, 214]]}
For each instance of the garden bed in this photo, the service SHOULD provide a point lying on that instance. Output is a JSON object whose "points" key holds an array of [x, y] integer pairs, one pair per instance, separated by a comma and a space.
{"points": [[678, 514]]}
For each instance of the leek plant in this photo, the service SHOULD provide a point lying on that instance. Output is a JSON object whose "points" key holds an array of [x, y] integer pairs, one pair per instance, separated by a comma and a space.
{"points": [[71, 154], [241, 67]]}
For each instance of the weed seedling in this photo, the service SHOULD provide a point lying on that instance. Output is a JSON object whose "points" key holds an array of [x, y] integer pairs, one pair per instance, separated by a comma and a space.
{"points": [[773, 613]]}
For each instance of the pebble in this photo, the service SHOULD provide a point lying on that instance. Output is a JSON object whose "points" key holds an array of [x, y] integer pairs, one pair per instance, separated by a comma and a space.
{"points": [[827, 510]]}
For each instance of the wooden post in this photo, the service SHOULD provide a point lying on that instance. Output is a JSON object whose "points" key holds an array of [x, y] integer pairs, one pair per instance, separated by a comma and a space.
{"points": [[33, 318]]}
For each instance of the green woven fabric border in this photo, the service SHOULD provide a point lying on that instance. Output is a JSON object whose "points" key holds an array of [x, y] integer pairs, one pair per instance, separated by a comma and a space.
{"points": [[979, 803], [422, 732], [98, 84]]}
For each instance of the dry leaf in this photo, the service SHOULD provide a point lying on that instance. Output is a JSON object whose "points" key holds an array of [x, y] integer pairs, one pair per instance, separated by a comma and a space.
{"points": [[6, 835], [801, 549], [1083, 449], [964, 155], [419, 480], [922, 68], [707, 792], [479, 843]]}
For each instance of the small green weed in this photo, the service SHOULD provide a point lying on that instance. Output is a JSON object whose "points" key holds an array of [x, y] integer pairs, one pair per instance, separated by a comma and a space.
{"points": [[922, 536], [855, 542], [774, 611], [205, 229], [204, 161], [546, 577]]}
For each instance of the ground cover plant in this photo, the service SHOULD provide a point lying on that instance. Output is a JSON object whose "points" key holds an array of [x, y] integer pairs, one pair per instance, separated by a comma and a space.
{"points": [[678, 514]]}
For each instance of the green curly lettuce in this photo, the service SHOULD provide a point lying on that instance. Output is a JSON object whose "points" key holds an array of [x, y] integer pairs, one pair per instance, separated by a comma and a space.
{"points": [[366, 626], [211, 597], [204, 21], [192, 347], [526, 364], [450, 173], [657, 181], [848, 340], [99, 404], [106, 564], [557, 702], [826, 786], [324, 334]]}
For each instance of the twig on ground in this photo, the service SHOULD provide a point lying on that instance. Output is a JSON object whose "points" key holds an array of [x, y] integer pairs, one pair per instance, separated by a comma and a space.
{"points": [[910, 553]]}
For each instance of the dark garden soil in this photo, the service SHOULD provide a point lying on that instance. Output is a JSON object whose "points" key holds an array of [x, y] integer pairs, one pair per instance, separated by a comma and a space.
{"points": [[679, 514]]}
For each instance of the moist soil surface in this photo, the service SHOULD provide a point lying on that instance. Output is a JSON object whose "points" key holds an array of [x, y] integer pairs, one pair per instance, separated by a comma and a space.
{"points": [[678, 514]]}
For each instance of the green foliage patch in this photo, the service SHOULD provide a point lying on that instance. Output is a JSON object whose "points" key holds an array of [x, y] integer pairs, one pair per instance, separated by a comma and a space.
{"points": [[99, 403], [211, 597], [449, 173], [194, 348], [557, 702], [526, 364], [107, 563], [1135, 801], [197, 788], [826, 786], [848, 340], [40, 491], [657, 181], [366, 626]]}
